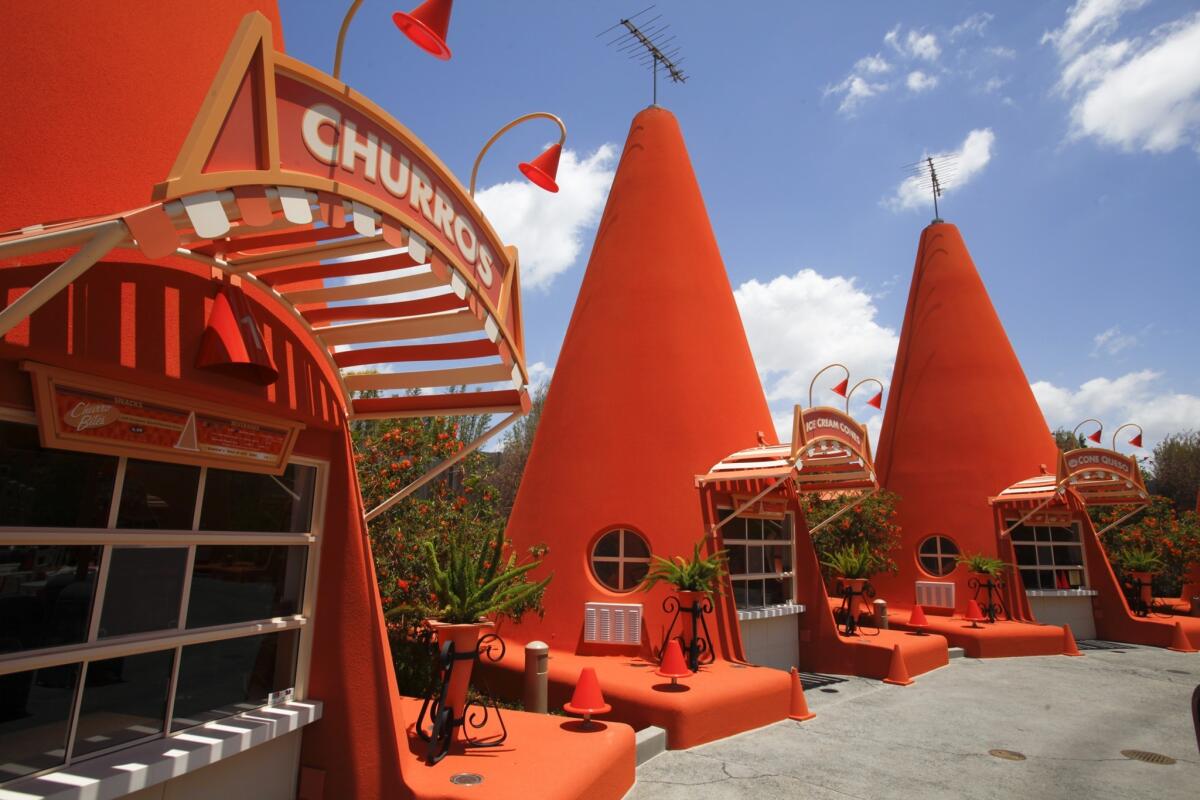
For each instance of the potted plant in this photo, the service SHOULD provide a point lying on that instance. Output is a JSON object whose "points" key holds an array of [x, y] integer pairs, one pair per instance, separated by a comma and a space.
{"points": [[693, 579], [1141, 564], [469, 588], [853, 565], [982, 565]]}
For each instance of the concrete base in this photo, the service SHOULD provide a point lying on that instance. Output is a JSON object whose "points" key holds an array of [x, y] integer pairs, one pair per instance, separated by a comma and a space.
{"points": [[650, 742], [1074, 611]]}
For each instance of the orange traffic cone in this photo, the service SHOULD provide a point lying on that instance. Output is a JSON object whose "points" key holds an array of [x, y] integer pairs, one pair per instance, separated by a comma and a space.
{"points": [[1180, 642], [799, 710], [974, 614], [587, 699], [917, 620], [897, 671], [1069, 646], [673, 666]]}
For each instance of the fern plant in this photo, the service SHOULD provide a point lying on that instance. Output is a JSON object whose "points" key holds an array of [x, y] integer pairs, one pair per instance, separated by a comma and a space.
{"points": [[853, 561], [983, 565], [476, 585], [700, 574], [1139, 559]]}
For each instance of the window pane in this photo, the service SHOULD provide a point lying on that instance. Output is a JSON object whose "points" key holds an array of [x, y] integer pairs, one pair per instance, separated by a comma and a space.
{"points": [[35, 711], [143, 590], [775, 529], [123, 699], [776, 592], [606, 573], [754, 594], [248, 501], [609, 544], [1022, 534], [218, 679], [158, 495], [1068, 555], [1029, 577], [929, 546], [635, 573], [1043, 534], [779, 559], [1046, 579], [1026, 554], [930, 565], [46, 594], [239, 583], [740, 594], [754, 529], [737, 559], [1063, 535], [56, 488], [635, 546], [754, 560]]}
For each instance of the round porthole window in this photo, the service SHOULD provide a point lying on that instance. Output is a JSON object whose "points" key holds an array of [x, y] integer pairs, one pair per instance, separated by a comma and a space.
{"points": [[620, 559], [938, 555]]}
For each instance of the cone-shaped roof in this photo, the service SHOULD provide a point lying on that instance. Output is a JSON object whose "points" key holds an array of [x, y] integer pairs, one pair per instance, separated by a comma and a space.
{"points": [[654, 384], [961, 421]]}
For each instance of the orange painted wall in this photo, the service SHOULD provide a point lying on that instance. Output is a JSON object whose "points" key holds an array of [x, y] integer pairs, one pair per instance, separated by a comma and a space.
{"points": [[654, 384], [961, 422]]}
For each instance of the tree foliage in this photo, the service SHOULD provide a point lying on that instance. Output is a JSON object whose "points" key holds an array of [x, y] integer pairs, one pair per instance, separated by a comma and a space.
{"points": [[514, 453], [1171, 536], [871, 525], [1176, 471], [1066, 440]]}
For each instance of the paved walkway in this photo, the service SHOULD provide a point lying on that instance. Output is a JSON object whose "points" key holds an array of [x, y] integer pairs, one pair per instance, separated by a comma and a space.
{"points": [[1070, 717]]}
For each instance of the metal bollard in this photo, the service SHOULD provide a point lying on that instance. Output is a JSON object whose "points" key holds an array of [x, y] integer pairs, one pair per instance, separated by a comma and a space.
{"points": [[881, 615], [537, 675]]}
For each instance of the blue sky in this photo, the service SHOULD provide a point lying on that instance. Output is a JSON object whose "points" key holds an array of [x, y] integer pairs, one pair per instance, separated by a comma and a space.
{"points": [[1081, 128]]}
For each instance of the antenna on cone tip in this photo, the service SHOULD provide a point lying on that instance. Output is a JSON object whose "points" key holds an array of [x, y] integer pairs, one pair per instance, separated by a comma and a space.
{"points": [[647, 41], [1095, 435], [1136, 441], [934, 174], [876, 400], [839, 389]]}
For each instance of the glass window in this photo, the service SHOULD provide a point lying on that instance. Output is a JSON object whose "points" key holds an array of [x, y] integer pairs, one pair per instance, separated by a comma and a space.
{"points": [[51, 488], [217, 679], [123, 699], [143, 590], [938, 555], [249, 501], [759, 559], [240, 583], [35, 713], [158, 496], [621, 560], [1049, 556], [46, 594]]}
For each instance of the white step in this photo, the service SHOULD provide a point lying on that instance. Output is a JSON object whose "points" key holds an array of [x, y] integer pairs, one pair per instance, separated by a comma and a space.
{"points": [[650, 742]]}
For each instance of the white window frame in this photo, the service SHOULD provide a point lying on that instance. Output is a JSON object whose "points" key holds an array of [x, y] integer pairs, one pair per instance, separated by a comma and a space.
{"points": [[96, 649], [939, 555], [620, 559], [1039, 568], [790, 541]]}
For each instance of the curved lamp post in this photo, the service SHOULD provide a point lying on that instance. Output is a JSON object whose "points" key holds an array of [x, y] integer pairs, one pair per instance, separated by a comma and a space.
{"points": [[839, 389], [1136, 441], [1095, 437], [543, 170], [426, 25], [876, 400]]}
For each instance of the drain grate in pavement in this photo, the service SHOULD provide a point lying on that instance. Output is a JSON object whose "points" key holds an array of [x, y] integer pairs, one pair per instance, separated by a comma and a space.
{"points": [[1148, 757], [815, 680], [1007, 755], [1100, 644]]}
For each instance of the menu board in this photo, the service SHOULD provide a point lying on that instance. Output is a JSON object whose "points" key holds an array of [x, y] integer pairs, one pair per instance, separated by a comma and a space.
{"points": [[101, 416]]}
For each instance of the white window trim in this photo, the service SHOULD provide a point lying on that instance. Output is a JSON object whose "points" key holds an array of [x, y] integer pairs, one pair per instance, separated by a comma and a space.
{"points": [[95, 649], [1085, 587], [788, 606]]}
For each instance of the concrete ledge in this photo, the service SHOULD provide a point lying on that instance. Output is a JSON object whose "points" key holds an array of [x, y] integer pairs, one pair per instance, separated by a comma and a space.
{"points": [[141, 765], [956, 652], [786, 610], [650, 742], [1061, 593]]}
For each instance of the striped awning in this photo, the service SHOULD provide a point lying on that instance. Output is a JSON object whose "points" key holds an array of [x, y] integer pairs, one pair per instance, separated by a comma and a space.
{"points": [[1031, 491]]}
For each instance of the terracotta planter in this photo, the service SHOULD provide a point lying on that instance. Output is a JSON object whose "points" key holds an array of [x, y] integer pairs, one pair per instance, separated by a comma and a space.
{"points": [[857, 585], [689, 598], [465, 636], [1147, 590]]}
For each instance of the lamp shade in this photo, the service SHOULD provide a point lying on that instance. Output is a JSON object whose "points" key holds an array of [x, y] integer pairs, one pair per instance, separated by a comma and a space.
{"points": [[974, 613], [673, 665], [427, 26], [543, 170], [842, 387], [1136, 441], [1095, 437], [232, 343], [587, 698], [876, 401]]}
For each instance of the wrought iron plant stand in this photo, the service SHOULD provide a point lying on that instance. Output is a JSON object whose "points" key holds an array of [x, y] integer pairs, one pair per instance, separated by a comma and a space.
{"points": [[699, 649], [475, 715], [992, 608]]}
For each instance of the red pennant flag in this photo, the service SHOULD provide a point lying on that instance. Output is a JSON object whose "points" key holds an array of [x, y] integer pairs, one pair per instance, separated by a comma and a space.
{"points": [[876, 401], [841, 387], [1095, 437], [1136, 441]]}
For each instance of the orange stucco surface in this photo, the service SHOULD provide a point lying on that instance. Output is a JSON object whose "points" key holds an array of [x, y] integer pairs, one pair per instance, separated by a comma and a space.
{"points": [[998, 639]]}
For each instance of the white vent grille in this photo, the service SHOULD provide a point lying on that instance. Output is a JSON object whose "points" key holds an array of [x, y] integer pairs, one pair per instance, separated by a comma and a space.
{"points": [[933, 593], [612, 623]]}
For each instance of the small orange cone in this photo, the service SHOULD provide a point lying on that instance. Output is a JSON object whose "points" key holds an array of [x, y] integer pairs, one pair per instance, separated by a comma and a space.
{"points": [[974, 614], [917, 620], [897, 671], [1179, 642], [1069, 646], [673, 666], [799, 711]]}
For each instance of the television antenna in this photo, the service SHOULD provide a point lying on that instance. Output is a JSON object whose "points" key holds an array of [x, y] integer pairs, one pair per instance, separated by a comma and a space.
{"points": [[648, 43], [934, 174]]}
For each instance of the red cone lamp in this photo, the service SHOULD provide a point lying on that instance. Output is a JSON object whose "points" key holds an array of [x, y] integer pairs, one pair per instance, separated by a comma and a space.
{"points": [[427, 26], [673, 666], [587, 698], [232, 343], [876, 401], [974, 614], [1095, 437], [917, 620], [1136, 441], [543, 170], [842, 387]]}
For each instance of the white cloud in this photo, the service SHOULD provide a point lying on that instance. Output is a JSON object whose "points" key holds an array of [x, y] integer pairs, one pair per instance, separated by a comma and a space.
{"points": [[970, 159], [914, 44], [797, 324], [918, 81], [1112, 341], [974, 24], [854, 90], [1002, 52], [993, 85], [1134, 397], [548, 228], [540, 374], [1134, 92], [875, 64]]}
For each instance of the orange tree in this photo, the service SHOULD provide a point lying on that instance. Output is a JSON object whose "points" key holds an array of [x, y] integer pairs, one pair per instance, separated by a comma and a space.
{"points": [[1173, 536], [458, 509], [871, 525]]}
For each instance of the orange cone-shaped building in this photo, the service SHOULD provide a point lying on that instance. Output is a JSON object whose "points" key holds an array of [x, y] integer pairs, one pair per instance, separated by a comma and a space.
{"points": [[654, 384], [961, 424]]}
